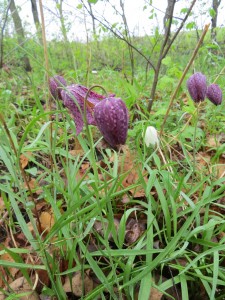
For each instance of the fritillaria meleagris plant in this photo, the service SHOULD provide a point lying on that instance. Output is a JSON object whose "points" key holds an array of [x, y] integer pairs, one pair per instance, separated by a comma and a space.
{"points": [[198, 90], [109, 114]]}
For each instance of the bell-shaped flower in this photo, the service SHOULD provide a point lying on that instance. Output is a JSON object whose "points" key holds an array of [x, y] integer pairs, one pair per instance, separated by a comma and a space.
{"points": [[151, 137], [56, 85], [111, 116], [73, 98], [197, 87], [214, 94]]}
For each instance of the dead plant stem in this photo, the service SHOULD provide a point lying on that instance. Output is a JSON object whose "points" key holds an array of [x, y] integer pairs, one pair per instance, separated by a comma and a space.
{"points": [[47, 77]]}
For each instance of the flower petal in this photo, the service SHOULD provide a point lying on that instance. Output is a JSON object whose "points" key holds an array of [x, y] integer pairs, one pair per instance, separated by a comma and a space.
{"points": [[197, 87], [111, 117], [73, 99]]}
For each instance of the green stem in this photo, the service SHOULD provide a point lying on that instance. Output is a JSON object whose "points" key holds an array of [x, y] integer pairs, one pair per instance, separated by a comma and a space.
{"points": [[194, 143]]}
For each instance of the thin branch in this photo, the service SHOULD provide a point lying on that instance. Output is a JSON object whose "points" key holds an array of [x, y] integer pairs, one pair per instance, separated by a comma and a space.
{"points": [[179, 29], [163, 53], [120, 36]]}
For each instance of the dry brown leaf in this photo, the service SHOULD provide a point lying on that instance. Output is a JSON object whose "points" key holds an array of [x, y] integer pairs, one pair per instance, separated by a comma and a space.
{"points": [[47, 221], [134, 229], [202, 159], [82, 170], [13, 271], [19, 286], [155, 294], [32, 184], [127, 164], [2, 204], [77, 150], [24, 159], [78, 283], [99, 227]]}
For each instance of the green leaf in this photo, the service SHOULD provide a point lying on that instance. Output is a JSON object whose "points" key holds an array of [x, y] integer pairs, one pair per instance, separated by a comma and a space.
{"points": [[191, 25], [167, 61], [212, 13], [184, 10]]}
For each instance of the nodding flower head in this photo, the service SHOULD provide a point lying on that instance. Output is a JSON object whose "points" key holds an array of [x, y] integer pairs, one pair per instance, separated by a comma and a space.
{"points": [[56, 85], [73, 98], [111, 117], [109, 114], [151, 137], [197, 87], [214, 94]]}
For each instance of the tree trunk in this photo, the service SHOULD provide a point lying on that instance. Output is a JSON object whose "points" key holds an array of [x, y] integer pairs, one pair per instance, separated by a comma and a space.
{"points": [[20, 33], [92, 19], [36, 19], [4, 19], [215, 6], [168, 13]]}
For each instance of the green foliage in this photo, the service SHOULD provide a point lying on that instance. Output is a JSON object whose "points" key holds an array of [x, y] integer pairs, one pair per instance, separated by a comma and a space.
{"points": [[180, 198]]}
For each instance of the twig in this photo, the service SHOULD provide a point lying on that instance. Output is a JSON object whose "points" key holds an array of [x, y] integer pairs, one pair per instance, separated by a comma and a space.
{"points": [[166, 45], [183, 75]]}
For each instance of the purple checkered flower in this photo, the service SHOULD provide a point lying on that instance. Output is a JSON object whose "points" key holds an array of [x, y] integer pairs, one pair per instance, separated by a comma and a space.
{"points": [[111, 116], [197, 87], [56, 85], [214, 94], [73, 98]]}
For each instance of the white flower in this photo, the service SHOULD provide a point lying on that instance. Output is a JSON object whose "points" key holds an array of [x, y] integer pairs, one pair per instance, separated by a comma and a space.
{"points": [[151, 137]]}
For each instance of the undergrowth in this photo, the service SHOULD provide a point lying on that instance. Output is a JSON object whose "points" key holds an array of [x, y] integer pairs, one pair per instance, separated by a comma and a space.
{"points": [[79, 219]]}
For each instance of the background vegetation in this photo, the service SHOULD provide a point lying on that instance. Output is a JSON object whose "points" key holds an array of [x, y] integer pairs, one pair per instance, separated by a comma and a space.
{"points": [[79, 220]]}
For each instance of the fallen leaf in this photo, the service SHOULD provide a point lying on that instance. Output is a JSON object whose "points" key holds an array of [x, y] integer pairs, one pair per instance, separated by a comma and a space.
{"points": [[47, 221], [155, 294], [128, 165], [24, 159], [13, 271], [21, 286], [134, 229], [32, 184], [78, 283], [2, 204]]}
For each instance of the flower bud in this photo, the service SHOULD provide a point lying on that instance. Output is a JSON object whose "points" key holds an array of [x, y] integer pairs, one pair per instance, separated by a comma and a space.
{"points": [[214, 94], [197, 87], [151, 137], [56, 84], [111, 116]]}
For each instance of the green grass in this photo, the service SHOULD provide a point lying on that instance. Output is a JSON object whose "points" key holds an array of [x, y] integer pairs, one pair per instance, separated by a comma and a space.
{"points": [[179, 249]]}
